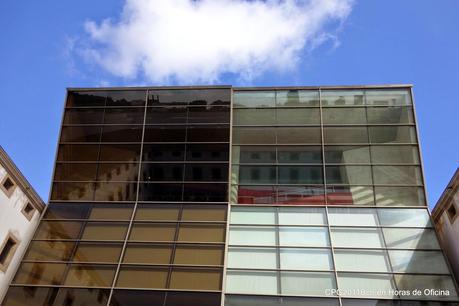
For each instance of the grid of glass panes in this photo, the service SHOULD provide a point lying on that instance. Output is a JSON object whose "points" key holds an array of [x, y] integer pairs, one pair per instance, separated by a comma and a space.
{"points": [[305, 251], [325, 147], [139, 202]]}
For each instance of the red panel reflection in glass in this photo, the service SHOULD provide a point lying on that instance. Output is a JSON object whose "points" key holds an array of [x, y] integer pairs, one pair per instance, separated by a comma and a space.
{"points": [[300, 195], [256, 194]]}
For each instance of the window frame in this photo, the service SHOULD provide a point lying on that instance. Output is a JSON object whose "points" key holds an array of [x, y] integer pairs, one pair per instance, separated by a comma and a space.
{"points": [[8, 192], [11, 252]]}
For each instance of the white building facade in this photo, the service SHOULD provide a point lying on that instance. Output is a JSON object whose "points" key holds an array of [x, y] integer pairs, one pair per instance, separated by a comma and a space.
{"points": [[20, 210]]}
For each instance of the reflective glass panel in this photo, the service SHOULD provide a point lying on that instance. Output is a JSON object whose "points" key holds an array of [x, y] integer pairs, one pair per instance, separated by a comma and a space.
{"points": [[402, 175], [354, 115], [299, 154], [297, 195], [244, 235], [198, 255], [142, 277], [90, 276], [252, 258], [254, 135], [307, 283], [298, 116], [357, 195], [357, 237], [40, 274], [342, 98], [400, 196], [305, 259], [139, 253], [392, 134], [86, 98], [254, 99], [84, 116], [298, 135], [166, 115], [124, 115], [121, 133], [390, 115], [297, 98], [411, 238], [395, 154], [366, 285], [157, 212], [250, 215], [436, 282], [126, 98], [104, 231], [387, 97], [119, 152], [152, 232], [418, 262], [402, 217], [349, 175], [361, 260], [73, 152], [352, 217], [303, 236], [98, 252], [347, 154], [49, 250], [345, 135], [300, 175], [302, 216], [254, 282], [254, 116], [253, 154], [196, 279], [164, 152]]}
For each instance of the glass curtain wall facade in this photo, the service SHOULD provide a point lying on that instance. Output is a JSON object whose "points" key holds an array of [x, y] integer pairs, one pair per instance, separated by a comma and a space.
{"points": [[236, 196]]}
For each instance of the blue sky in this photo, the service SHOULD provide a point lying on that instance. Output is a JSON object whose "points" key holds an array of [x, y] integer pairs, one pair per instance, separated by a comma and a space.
{"points": [[44, 47]]}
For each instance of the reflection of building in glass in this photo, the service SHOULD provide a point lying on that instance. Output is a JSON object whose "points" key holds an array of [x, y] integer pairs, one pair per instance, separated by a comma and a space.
{"points": [[445, 216], [235, 196]]}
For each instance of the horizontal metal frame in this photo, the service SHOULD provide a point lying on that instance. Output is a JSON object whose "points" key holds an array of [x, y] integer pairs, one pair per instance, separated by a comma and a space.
{"points": [[310, 164], [129, 88], [146, 182], [136, 221], [318, 106], [137, 143], [322, 184], [125, 264], [340, 248], [191, 124], [375, 86], [64, 202]]}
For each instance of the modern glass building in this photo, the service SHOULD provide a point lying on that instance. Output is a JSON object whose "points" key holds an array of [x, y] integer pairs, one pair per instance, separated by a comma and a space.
{"points": [[215, 195]]}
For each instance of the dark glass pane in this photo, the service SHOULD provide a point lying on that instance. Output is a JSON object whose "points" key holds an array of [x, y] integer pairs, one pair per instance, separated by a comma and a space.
{"points": [[80, 134], [58, 230], [254, 135], [121, 133], [73, 191], [164, 152], [72, 152], [39, 274], [359, 195], [392, 134], [105, 211], [207, 152], [90, 276], [124, 116], [291, 98], [86, 98], [153, 232], [299, 195], [297, 154], [162, 172], [119, 152], [254, 154], [255, 194], [160, 192], [140, 253], [75, 172], [353, 175], [206, 172], [196, 279], [257, 174], [49, 251], [84, 116], [126, 98], [392, 114], [205, 192], [213, 114], [347, 154], [117, 172], [23, 296], [98, 252], [300, 175], [113, 191], [92, 296], [165, 133], [189, 97], [137, 298], [142, 277], [205, 133], [166, 115], [67, 211], [298, 135], [193, 299], [104, 231], [345, 135]]}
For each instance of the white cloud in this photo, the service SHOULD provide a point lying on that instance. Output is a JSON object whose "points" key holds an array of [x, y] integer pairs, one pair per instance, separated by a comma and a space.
{"points": [[190, 41]]}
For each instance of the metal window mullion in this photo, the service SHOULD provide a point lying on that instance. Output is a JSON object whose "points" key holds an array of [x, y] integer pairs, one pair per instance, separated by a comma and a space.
{"points": [[332, 250], [277, 242], [324, 178], [134, 210]]}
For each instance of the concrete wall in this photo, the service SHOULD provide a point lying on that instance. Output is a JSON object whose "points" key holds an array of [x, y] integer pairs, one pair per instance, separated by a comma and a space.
{"points": [[13, 220]]}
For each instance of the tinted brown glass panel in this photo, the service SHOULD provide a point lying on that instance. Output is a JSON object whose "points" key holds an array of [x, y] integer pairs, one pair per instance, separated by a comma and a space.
{"points": [[201, 233], [117, 172], [299, 195], [198, 255], [204, 213], [204, 133], [40, 274], [207, 152], [71, 296], [213, 114], [111, 211], [86, 98], [298, 135], [164, 152], [189, 97], [126, 98], [148, 212], [72, 152], [137, 298], [113, 191], [254, 194], [162, 172], [153, 232], [138, 253], [160, 192], [22, 296], [75, 172], [124, 115], [104, 231], [119, 152], [58, 230], [121, 133], [73, 191], [215, 192], [166, 115], [80, 134], [98, 252], [84, 116], [196, 279], [67, 211], [193, 299], [164, 133], [49, 250], [90, 276], [206, 172], [142, 277]]}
